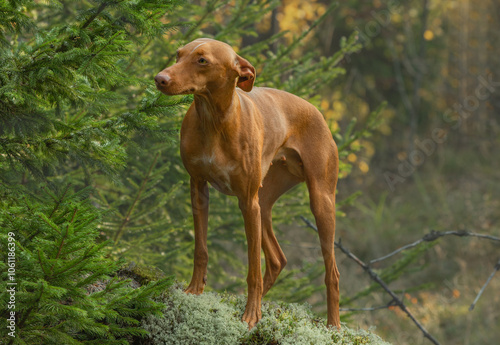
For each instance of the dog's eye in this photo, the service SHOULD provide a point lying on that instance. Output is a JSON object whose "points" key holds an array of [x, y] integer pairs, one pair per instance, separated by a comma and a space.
{"points": [[202, 61]]}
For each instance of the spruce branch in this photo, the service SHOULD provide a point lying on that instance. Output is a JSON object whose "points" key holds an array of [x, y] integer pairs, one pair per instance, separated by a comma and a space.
{"points": [[40, 260], [94, 55], [125, 221], [98, 11], [48, 222], [65, 235], [235, 20], [210, 7], [138, 54], [60, 200]]}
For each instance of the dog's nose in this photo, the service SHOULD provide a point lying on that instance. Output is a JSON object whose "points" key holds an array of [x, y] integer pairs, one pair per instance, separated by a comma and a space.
{"points": [[161, 79]]}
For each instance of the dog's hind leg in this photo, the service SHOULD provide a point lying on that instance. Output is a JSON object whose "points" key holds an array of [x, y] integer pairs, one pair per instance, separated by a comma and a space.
{"points": [[321, 179], [278, 180]]}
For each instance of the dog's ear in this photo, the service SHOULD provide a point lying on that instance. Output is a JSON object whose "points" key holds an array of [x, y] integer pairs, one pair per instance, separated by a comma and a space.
{"points": [[246, 74]]}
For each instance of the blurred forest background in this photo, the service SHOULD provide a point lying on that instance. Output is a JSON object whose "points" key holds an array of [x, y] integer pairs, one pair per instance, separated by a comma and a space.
{"points": [[410, 90]]}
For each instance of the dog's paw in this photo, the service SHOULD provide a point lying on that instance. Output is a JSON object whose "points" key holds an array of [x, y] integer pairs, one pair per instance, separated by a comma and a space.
{"points": [[195, 289], [252, 315]]}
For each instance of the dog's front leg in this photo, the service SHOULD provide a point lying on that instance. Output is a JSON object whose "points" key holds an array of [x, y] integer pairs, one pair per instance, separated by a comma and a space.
{"points": [[250, 209], [199, 203]]}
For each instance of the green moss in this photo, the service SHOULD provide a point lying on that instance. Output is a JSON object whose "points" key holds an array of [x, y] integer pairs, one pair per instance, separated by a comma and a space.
{"points": [[213, 318], [141, 273]]}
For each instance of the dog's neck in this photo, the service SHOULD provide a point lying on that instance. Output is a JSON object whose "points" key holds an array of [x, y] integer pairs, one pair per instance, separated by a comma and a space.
{"points": [[216, 108]]}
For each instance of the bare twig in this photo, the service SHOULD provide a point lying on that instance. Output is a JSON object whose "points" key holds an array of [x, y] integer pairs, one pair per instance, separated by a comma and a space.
{"points": [[364, 309], [375, 277], [497, 268], [387, 306], [434, 235], [396, 299]]}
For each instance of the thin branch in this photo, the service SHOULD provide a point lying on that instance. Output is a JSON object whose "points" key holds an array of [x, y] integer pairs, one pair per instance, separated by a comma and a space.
{"points": [[48, 223], [60, 200], [41, 264], [364, 309], [94, 55], [375, 277], [98, 11], [497, 268], [139, 53], [64, 237], [392, 303], [434, 235]]}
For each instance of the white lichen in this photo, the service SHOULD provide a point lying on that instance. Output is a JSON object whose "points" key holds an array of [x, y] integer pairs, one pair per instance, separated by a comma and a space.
{"points": [[215, 319]]}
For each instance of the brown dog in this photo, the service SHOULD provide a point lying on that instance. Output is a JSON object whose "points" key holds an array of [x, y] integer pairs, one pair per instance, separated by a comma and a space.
{"points": [[254, 143]]}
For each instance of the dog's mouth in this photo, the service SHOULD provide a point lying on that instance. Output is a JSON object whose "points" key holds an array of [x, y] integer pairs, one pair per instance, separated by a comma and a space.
{"points": [[169, 91]]}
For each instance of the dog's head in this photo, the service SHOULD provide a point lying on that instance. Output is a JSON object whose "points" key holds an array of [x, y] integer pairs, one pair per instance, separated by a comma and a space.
{"points": [[205, 65]]}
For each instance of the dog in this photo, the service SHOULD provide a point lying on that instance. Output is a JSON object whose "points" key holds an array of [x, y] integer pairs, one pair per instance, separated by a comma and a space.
{"points": [[254, 143]]}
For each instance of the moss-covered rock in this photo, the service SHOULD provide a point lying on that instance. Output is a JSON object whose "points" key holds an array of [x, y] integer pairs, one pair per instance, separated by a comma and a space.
{"points": [[214, 319], [141, 274]]}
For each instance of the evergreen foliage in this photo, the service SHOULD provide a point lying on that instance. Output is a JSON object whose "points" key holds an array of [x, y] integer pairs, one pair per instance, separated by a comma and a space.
{"points": [[66, 85], [67, 289]]}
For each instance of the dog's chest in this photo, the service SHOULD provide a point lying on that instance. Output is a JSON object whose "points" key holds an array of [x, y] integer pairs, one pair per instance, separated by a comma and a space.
{"points": [[216, 168]]}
